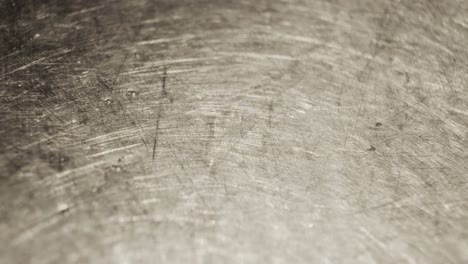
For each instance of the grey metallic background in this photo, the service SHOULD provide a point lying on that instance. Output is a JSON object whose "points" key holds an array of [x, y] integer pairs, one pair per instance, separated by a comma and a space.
{"points": [[209, 131]]}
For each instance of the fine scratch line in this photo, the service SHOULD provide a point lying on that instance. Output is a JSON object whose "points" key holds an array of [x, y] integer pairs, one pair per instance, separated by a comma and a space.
{"points": [[38, 61]]}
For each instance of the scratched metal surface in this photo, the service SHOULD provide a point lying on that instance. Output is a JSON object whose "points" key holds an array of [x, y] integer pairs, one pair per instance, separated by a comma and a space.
{"points": [[203, 131]]}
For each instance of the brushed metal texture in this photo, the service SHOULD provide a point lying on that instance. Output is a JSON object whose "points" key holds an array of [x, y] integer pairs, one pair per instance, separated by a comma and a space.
{"points": [[204, 131]]}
